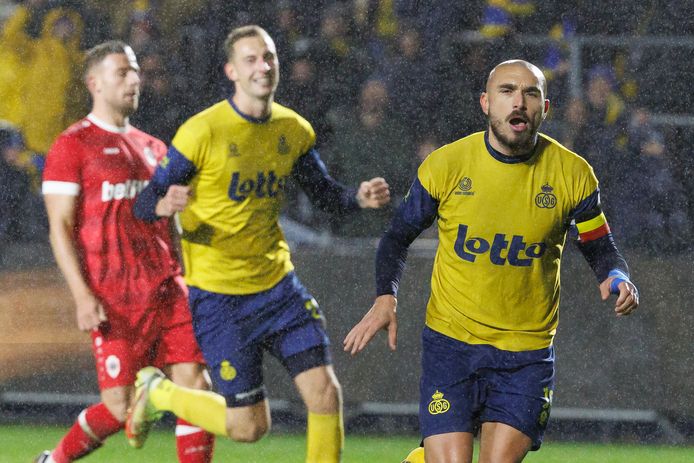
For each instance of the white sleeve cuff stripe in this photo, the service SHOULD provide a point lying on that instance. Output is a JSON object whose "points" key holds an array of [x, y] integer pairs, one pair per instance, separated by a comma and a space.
{"points": [[185, 430], [60, 188]]}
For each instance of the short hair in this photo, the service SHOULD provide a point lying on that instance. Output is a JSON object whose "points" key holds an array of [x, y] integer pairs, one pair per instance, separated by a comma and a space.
{"points": [[96, 54], [241, 33], [528, 65]]}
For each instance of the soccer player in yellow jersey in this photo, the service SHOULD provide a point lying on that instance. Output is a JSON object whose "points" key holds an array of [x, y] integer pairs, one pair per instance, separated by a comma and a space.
{"points": [[504, 201], [225, 172]]}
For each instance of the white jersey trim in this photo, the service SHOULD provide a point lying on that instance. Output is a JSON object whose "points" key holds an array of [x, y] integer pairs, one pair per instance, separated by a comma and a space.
{"points": [[108, 127], [185, 430], [51, 187]]}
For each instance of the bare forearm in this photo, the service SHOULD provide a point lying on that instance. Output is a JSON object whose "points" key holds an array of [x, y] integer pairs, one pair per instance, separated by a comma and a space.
{"points": [[62, 242]]}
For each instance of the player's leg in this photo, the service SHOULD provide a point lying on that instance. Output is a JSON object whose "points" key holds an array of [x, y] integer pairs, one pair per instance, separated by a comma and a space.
{"points": [[322, 395], [209, 410], [302, 347], [518, 404], [239, 409], [206, 409], [178, 349], [450, 398], [93, 425], [194, 444], [452, 447], [502, 443], [98, 422]]}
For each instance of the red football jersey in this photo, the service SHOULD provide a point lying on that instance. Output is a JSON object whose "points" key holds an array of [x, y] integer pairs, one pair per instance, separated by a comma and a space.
{"points": [[105, 167]]}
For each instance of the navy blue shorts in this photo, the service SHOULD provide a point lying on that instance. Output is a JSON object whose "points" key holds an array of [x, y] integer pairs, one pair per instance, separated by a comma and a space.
{"points": [[463, 385], [234, 331]]}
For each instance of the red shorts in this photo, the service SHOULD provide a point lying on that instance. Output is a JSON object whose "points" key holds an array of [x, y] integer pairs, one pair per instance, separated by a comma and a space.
{"points": [[155, 331]]}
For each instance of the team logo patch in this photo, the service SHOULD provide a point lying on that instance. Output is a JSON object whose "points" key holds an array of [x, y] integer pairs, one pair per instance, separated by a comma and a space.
{"points": [[438, 405], [465, 187], [283, 146], [546, 199], [226, 371], [149, 156], [234, 150], [112, 366]]}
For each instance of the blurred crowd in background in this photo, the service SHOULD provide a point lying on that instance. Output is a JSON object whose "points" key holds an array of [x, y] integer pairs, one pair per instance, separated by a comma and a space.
{"points": [[384, 82]]}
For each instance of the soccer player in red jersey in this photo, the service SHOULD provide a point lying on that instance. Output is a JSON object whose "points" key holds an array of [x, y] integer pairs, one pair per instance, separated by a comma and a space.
{"points": [[123, 273]]}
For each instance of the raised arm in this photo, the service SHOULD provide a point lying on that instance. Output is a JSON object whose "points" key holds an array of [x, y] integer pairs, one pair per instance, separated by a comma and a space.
{"points": [[416, 213], [331, 196]]}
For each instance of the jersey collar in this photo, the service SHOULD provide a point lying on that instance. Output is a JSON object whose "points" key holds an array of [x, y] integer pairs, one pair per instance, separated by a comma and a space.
{"points": [[502, 157], [108, 127], [252, 119]]}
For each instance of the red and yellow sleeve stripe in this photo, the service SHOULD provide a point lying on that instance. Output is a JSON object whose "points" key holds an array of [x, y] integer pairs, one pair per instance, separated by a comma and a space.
{"points": [[592, 229]]}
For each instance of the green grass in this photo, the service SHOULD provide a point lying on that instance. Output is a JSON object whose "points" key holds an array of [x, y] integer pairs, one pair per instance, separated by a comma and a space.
{"points": [[19, 444]]}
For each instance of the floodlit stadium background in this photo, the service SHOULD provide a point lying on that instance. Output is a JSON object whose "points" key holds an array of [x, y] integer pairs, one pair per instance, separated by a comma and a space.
{"points": [[627, 379]]}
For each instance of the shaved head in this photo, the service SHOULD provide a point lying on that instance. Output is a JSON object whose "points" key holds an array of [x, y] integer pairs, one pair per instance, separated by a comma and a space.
{"points": [[521, 63]]}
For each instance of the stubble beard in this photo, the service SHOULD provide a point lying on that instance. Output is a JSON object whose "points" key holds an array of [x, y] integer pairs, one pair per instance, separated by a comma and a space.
{"points": [[522, 143], [128, 110]]}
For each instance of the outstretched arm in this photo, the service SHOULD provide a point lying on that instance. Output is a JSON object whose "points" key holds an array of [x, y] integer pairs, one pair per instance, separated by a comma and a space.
{"points": [[416, 213]]}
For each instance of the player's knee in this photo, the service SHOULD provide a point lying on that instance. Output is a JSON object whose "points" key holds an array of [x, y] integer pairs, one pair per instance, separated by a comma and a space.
{"points": [[192, 376], [326, 395], [249, 431]]}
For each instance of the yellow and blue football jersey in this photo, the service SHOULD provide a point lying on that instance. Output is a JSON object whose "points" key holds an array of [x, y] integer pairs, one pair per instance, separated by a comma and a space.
{"points": [[231, 239], [502, 226]]}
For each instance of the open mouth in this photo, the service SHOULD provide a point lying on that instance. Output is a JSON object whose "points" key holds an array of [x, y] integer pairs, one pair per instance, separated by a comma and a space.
{"points": [[518, 123]]}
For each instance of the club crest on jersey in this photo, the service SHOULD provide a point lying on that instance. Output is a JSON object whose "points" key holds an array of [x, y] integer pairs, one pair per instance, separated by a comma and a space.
{"points": [[283, 146], [234, 151], [149, 156], [464, 187], [264, 185], [515, 252], [546, 199]]}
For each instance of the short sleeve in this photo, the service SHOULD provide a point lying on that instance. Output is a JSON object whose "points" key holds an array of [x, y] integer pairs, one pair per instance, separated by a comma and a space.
{"points": [[426, 177], [193, 141], [63, 171]]}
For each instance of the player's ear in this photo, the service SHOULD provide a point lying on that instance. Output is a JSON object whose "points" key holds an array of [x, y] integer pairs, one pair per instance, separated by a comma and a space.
{"points": [[230, 71], [545, 109], [484, 102], [90, 82]]}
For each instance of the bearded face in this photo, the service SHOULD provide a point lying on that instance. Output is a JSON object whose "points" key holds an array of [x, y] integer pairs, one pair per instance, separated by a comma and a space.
{"points": [[515, 106]]}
